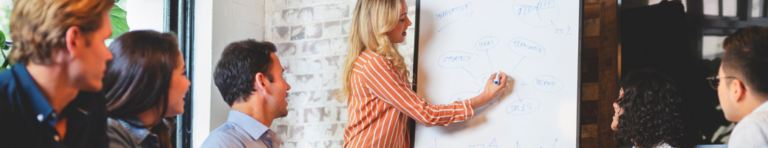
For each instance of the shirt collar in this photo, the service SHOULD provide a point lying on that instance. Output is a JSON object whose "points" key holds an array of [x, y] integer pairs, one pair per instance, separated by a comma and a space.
{"points": [[763, 106], [138, 134], [253, 127], [42, 108]]}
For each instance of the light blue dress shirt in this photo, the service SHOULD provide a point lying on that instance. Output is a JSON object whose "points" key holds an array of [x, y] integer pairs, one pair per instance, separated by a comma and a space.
{"points": [[242, 131]]}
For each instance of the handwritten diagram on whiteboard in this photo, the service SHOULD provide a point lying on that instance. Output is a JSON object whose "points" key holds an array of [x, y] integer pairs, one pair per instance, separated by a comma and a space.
{"points": [[536, 42]]}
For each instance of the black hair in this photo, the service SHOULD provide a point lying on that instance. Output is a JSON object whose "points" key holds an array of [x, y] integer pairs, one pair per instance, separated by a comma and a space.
{"points": [[746, 57], [654, 112], [238, 66], [138, 78]]}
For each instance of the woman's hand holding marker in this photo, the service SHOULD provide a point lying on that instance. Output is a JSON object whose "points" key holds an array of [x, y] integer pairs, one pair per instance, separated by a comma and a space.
{"points": [[494, 88]]}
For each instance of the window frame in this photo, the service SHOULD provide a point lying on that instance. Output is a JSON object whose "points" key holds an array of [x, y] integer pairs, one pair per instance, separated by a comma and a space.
{"points": [[180, 17]]}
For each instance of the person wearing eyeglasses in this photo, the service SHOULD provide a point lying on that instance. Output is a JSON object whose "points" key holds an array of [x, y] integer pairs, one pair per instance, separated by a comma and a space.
{"points": [[742, 86]]}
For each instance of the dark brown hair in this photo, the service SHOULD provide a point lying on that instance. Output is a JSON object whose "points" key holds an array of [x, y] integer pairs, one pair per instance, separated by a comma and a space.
{"points": [[746, 57], [138, 78], [239, 64], [40, 26]]}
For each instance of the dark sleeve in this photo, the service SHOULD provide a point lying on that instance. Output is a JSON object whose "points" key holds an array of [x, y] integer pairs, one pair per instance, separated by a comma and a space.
{"points": [[4, 115], [97, 117], [15, 131], [89, 128]]}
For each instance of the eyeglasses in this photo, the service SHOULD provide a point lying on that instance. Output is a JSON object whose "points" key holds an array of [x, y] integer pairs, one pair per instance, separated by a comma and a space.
{"points": [[714, 81]]}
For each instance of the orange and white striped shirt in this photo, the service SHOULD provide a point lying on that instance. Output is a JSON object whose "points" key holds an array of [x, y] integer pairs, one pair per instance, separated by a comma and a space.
{"points": [[382, 101]]}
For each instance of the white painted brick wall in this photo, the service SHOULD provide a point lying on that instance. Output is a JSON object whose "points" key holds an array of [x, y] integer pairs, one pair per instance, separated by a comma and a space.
{"points": [[311, 37]]}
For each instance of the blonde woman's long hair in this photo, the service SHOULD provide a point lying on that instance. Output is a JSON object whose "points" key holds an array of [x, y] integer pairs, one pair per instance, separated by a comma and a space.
{"points": [[368, 31]]}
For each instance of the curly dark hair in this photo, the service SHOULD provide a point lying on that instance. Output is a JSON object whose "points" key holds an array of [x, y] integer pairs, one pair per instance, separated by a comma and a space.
{"points": [[654, 112]]}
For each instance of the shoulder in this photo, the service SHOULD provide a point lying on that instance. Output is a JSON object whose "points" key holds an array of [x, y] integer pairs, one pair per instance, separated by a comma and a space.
{"points": [[226, 135], [368, 57], [117, 130], [113, 126], [755, 120], [752, 131], [373, 61], [226, 129], [664, 145], [6, 76], [118, 135], [8, 104], [6, 80]]}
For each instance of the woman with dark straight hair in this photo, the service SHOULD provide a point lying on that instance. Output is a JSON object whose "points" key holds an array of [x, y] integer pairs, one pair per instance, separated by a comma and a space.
{"points": [[650, 112], [144, 84]]}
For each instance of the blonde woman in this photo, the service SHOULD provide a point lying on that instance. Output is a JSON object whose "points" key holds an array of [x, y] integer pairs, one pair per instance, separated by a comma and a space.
{"points": [[376, 87]]}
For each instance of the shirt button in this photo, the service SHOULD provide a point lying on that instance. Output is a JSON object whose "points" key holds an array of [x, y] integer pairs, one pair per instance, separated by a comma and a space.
{"points": [[40, 117], [56, 137]]}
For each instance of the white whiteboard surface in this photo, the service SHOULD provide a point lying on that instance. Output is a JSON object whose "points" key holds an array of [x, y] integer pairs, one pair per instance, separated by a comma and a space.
{"points": [[536, 42]]}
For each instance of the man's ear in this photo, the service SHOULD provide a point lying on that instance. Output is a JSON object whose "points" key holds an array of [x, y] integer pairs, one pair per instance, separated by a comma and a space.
{"points": [[73, 39], [737, 90], [258, 83]]}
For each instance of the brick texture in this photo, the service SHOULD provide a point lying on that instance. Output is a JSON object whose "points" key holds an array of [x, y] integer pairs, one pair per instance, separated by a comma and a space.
{"points": [[311, 37]]}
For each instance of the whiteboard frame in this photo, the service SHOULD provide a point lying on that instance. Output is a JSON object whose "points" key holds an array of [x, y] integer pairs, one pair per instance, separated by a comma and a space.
{"points": [[578, 74]]}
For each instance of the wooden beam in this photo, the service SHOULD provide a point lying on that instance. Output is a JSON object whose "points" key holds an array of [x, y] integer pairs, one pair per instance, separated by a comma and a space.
{"points": [[608, 71]]}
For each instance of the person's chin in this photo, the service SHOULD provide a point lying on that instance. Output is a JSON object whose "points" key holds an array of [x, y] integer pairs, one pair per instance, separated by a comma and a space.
{"points": [[732, 118], [179, 111], [93, 87], [284, 113]]}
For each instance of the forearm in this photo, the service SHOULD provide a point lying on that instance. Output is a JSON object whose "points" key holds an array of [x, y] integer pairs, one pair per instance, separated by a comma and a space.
{"points": [[480, 101], [383, 81]]}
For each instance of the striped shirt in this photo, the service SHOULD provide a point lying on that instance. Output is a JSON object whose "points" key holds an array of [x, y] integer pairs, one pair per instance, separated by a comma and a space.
{"points": [[381, 101]]}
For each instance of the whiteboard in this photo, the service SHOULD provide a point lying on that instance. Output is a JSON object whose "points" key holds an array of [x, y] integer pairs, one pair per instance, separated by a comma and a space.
{"points": [[536, 42]]}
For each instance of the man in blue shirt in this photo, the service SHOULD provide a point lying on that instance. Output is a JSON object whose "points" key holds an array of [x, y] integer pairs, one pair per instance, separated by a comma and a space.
{"points": [[50, 97], [249, 77]]}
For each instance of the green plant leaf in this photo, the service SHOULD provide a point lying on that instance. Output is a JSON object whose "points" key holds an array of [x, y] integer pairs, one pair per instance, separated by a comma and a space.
{"points": [[2, 41], [119, 21], [3, 47]]}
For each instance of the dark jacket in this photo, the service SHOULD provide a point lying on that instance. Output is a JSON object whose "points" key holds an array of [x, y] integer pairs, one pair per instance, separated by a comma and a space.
{"points": [[27, 119]]}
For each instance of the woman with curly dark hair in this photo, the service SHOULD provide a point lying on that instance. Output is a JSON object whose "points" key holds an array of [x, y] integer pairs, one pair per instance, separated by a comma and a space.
{"points": [[650, 113]]}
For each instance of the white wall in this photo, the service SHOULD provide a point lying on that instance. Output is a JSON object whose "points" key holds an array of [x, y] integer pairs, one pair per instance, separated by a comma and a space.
{"points": [[145, 14], [201, 74], [218, 23]]}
